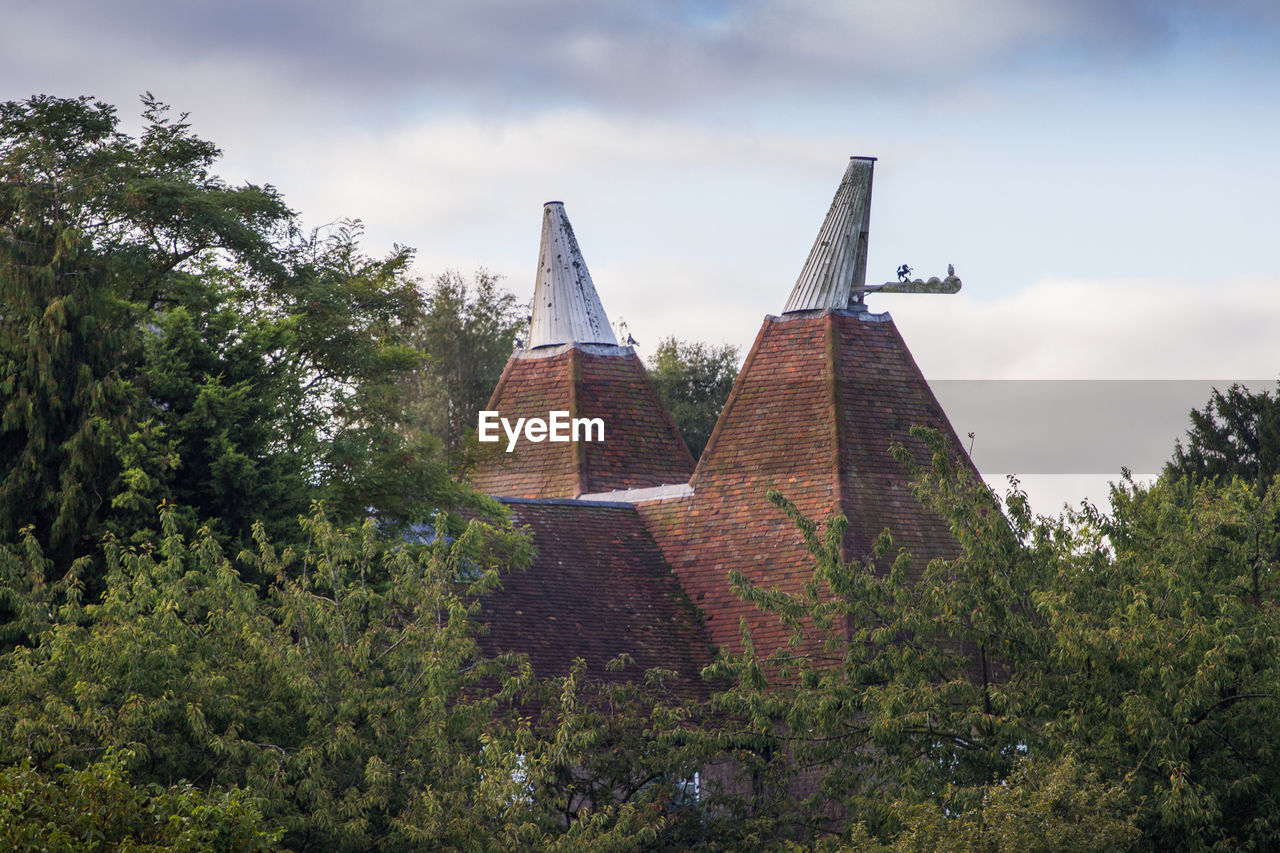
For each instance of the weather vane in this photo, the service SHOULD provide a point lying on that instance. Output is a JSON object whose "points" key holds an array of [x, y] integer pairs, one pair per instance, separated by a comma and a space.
{"points": [[906, 284]]}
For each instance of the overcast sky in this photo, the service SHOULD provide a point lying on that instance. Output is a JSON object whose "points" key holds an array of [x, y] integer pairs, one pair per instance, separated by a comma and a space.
{"points": [[1102, 173]]}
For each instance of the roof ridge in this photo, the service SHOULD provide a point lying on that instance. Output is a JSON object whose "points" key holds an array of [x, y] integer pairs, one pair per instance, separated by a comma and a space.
{"points": [[838, 438], [623, 505], [713, 440], [574, 363]]}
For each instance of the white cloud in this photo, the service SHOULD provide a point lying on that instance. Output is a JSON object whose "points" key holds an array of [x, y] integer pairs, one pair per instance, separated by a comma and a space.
{"points": [[465, 186], [1098, 329]]}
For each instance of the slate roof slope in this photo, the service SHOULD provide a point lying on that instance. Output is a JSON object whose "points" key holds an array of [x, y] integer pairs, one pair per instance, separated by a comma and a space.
{"points": [[598, 587], [641, 446], [819, 401]]}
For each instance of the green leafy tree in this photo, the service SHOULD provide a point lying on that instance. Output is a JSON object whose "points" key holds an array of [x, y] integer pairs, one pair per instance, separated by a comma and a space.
{"points": [[99, 808], [1138, 643], [1042, 807], [693, 380], [889, 686], [351, 703], [1175, 634], [68, 317], [467, 333], [350, 699], [354, 317], [167, 337], [617, 762]]}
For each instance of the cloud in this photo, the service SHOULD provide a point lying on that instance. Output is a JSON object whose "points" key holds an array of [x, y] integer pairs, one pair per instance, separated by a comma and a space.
{"points": [[461, 187], [1118, 329], [1098, 329], [510, 55]]}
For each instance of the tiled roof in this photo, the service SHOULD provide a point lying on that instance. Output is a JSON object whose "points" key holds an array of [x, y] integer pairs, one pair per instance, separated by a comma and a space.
{"points": [[598, 587], [823, 394], [819, 401], [641, 446], [882, 395]]}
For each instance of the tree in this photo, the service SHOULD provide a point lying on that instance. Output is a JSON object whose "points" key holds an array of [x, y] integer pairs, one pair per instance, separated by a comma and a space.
{"points": [[1138, 643], [351, 703], [1042, 807], [1237, 434], [79, 205], [1176, 633], [98, 807], [887, 690], [467, 333], [167, 337], [693, 380], [351, 697]]}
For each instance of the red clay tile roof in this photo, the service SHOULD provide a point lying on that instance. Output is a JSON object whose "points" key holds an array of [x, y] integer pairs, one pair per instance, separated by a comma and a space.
{"points": [[816, 407], [818, 403], [882, 394], [641, 445], [598, 587]]}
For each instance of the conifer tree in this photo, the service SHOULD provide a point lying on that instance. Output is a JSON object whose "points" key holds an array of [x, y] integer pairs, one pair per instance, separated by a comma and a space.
{"points": [[1236, 434], [66, 355]]}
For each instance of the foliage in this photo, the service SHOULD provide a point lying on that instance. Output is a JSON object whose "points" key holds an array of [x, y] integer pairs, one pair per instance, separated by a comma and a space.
{"points": [[98, 808], [620, 760], [1042, 807], [353, 702], [1237, 434], [1141, 644], [467, 332], [905, 698], [693, 381], [351, 693], [1176, 632], [166, 336]]}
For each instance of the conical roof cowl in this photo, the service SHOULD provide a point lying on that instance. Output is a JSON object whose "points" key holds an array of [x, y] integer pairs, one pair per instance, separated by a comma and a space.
{"points": [[837, 263], [574, 365], [566, 308]]}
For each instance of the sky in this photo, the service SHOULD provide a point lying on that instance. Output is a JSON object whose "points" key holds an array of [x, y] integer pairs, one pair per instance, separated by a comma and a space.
{"points": [[1101, 173]]}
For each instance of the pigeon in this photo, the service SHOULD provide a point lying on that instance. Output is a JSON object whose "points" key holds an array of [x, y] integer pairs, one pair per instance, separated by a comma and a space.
{"points": [[632, 342], [951, 271]]}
